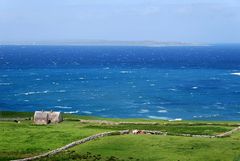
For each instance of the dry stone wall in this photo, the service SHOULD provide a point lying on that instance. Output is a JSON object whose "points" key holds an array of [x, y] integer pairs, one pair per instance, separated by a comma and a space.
{"points": [[123, 132]]}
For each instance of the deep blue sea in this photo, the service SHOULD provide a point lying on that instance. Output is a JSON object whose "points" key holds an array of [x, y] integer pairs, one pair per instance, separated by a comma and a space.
{"points": [[193, 83]]}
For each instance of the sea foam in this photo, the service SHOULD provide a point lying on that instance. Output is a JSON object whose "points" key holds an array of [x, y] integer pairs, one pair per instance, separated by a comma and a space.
{"points": [[238, 73], [71, 112], [5, 84], [143, 111], [162, 111], [87, 112], [63, 107], [159, 118]]}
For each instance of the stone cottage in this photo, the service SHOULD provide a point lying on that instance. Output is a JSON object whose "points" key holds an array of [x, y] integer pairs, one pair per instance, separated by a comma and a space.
{"points": [[46, 117]]}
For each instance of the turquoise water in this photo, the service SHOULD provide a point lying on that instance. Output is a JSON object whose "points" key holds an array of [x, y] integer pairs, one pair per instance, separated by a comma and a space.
{"points": [[142, 83]]}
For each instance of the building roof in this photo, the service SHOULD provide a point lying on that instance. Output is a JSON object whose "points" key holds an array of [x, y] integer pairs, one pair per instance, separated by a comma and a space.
{"points": [[40, 115]]}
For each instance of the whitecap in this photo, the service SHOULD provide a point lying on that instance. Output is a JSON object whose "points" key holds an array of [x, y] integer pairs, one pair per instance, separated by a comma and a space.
{"points": [[197, 116], [159, 118], [63, 107], [143, 111], [152, 85], [206, 116], [72, 112], [5, 84], [161, 107], [125, 72], [61, 91], [162, 111], [87, 112], [215, 115], [147, 103], [43, 92], [194, 87], [31, 93], [100, 110], [238, 73], [176, 119], [172, 89]]}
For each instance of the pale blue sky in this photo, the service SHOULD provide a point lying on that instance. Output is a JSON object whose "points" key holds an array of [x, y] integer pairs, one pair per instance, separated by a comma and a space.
{"points": [[211, 21]]}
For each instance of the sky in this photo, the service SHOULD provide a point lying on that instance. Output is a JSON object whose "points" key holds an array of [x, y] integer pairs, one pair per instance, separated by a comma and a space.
{"points": [[197, 21]]}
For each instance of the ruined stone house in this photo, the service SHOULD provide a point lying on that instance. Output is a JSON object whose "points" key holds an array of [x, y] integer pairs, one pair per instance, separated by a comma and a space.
{"points": [[46, 117]]}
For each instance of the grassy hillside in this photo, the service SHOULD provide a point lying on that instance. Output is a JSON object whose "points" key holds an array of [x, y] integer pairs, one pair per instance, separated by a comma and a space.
{"points": [[156, 148], [19, 140]]}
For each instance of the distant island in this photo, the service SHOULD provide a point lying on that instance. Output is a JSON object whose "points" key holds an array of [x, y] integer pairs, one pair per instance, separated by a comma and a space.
{"points": [[104, 43]]}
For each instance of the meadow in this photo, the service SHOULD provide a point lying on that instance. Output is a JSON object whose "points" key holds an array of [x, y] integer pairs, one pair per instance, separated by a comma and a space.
{"points": [[25, 139]]}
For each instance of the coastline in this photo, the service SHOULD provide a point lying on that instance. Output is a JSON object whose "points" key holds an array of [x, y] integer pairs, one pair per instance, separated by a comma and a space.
{"points": [[28, 115]]}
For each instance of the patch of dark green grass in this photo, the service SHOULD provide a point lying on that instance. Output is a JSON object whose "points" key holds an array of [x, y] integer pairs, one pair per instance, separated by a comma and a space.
{"points": [[159, 148], [71, 155], [170, 128], [13, 114]]}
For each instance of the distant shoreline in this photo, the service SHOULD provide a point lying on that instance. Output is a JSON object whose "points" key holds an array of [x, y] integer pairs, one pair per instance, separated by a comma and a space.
{"points": [[105, 43], [9, 115]]}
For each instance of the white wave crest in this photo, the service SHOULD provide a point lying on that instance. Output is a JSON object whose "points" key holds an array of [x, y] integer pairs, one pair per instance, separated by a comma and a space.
{"points": [[143, 111], [158, 118], [206, 116], [238, 73], [31, 93], [125, 72], [176, 119], [63, 107], [5, 84], [72, 112], [40, 92], [87, 112], [61, 91], [162, 111]]}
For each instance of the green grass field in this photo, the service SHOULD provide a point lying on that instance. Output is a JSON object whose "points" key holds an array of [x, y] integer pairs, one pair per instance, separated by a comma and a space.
{"points": [[26, 139]]}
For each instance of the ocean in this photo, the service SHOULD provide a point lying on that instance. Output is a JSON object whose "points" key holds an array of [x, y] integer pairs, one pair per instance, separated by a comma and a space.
{"points": [[173, 83]]}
